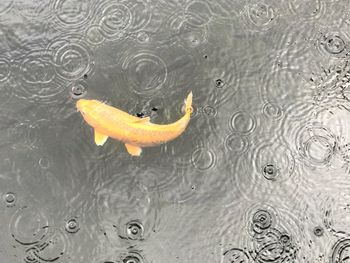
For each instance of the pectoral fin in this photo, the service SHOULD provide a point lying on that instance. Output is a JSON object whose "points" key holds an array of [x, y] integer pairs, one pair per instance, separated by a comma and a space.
{"points": [[133, 149], [100, 138]]}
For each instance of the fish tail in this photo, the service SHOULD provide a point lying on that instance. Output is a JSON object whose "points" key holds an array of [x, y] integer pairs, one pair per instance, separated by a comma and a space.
{"points": [[188, 104]]}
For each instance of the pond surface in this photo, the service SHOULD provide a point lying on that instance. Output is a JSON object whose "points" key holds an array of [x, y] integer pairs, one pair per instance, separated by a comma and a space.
{"points": [[261, 174]]}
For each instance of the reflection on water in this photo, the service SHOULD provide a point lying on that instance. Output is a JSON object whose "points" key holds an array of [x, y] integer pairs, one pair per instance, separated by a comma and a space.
{"points": [[260, 175]]}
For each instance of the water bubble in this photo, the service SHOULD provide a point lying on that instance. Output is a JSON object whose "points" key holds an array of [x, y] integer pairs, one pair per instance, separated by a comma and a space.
{"points": [[134, 230], [318, 231], [72, 226], [78, 90], [236, 255], [219, 83], [270, 171], [10, 199]]}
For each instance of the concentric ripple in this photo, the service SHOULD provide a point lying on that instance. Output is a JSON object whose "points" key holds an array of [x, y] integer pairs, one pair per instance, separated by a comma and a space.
{"points": [[132, 257], [94, 35], [203, 158], [237, 143], [72, 14], [340, 251], [307, 10], [256, 171], [236, 255], [260, 16], [36, 80], [242, 122], [28, 226], [40, 9], [146, 72], [317, 145], [116, 18], [53, 249], [4, 69], [331, 44], [71, 57]]}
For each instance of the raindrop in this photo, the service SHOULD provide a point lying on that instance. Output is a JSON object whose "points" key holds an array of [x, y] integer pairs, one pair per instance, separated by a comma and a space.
{"points": [[209, 111], [78, 91], [134, 230], [219, 83], [270, 171], [10, 199], [72, 225], [44, 163], [318, 231]]}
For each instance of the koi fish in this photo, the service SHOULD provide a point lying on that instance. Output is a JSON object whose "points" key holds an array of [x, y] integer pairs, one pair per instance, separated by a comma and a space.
{"points": [[133, 131]]}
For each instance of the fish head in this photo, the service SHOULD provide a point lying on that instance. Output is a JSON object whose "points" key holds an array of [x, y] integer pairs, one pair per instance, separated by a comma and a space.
{"points": [[87, 106]]}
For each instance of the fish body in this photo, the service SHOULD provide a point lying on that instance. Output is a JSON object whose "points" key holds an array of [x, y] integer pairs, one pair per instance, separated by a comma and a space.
{"points": [[134, 132]]}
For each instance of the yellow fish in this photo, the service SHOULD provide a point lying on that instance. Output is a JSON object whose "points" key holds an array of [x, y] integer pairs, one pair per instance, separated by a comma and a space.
{"points": [[135, 132]]}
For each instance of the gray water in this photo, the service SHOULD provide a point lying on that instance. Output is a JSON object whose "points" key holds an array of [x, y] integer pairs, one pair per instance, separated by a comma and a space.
{"points": [[261, 173]]}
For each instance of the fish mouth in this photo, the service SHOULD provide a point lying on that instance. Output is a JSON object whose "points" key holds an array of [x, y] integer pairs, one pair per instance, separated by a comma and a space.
{"points": [[81, 105]]}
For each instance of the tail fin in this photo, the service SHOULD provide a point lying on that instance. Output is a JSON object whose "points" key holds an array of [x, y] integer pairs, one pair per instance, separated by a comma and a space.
{"points": [[188, 104]]}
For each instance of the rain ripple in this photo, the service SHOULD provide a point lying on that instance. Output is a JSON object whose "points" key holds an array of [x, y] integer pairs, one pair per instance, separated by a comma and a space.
{"points": [[72, 15], [256, 171], [117, 18], [260, 16], [71, 57]]}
